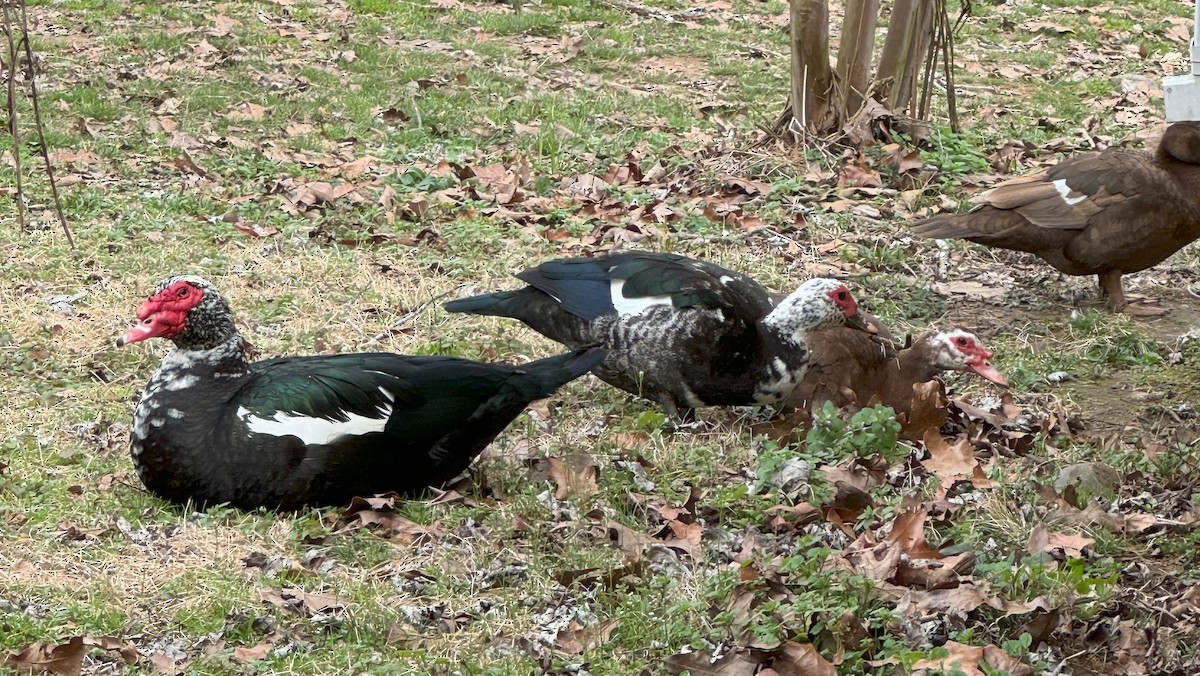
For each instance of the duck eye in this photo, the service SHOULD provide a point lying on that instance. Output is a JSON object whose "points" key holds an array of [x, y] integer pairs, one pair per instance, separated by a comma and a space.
{"points": [[841, 295], [183, 291], [962, 341]]}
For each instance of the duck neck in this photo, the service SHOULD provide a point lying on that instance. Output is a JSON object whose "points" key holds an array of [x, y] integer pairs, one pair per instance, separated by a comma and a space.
{"points": [[226, 359], [916, 364], [785, 328]]}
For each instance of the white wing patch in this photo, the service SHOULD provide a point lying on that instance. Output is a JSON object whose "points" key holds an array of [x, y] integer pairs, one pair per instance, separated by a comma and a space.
{"points": [[632, 306], [315, 431], [1065, 191]]}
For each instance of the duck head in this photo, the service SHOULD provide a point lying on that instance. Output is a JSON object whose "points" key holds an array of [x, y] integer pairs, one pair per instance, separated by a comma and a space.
{"points": [[1181, 141], [959, 350], [186, 309], [816, 304]]}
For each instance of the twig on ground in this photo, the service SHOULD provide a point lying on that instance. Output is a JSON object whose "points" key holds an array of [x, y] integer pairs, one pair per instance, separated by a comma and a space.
{"points": [[408, 317]]}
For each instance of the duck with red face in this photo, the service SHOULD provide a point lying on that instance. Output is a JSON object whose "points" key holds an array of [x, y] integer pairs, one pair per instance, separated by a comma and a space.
{"points": [[682, 332], [213, 427]]}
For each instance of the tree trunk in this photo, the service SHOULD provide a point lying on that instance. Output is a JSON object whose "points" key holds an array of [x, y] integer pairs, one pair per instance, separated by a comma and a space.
{"points": [[893, 60], [854, 55], [822, 101], [812, 78], [917, 55]]}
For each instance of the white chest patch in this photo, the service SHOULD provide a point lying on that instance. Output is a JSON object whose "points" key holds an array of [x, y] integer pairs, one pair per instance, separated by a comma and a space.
{"points": [[1064, 191], [633, 306], [315, 431]]}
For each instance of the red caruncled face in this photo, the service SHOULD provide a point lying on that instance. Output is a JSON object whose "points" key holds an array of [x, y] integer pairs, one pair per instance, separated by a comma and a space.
{"points": [[165, 313], [841, 296], [977, 361]]}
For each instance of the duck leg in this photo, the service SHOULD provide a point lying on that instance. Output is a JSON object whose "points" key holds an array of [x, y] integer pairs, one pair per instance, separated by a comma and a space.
{"points": [[1110, 287]]}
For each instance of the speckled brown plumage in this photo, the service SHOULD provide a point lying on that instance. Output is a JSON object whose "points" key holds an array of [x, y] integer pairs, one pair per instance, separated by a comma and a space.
{"points": [[1105, 214], [850, 368]]}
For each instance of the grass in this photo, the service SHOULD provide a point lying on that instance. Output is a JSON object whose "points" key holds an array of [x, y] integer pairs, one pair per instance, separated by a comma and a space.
{"points": [[86, 551]]}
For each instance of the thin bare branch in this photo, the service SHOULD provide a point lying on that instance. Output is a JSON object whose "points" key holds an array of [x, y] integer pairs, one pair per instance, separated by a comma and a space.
{"points": [[10, 70], [37, 120]]}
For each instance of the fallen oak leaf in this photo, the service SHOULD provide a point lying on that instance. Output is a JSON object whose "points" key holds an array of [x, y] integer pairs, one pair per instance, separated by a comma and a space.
{"points": [[960, 600], [736, 662], [247, 112], [300, 602], [928, 411], [165, 664], [1058, 545], [582, 483], [576, 640], [126, 649], [380, 510], [64, 659], [252, 654], [950, 463], [801, 659], [909, 533], [962, 659]]}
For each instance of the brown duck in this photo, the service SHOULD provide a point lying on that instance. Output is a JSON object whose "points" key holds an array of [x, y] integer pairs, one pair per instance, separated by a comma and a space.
{"points": [[1105, 213], [854, 369]]}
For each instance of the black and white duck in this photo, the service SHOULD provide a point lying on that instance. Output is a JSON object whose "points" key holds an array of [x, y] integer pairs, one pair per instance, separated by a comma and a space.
{"points": [[682, 332], [215, 428]]}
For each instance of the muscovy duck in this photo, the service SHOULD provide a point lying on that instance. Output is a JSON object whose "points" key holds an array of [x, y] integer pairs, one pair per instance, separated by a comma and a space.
{"points": [[283, 433], [1104, 214], [682, 332], [850, 368]]}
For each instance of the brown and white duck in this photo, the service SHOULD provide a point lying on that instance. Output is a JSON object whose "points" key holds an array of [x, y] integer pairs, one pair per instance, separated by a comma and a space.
{"points": [[852, 369], [1106, 213]]}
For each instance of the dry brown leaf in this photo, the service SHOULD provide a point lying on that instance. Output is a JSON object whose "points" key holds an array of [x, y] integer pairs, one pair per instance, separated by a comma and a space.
{"points": [[866, 557], [998, 659], [633, 543], [222, 25], [859, 175], [928, 411], [581, 483], [165, 664], [298, 128], [908, 533], [1058, 545], [801, 659], [247, 112], [964, 658], [950, 463], [733, 663], [748, 186], [961, 600], [252, 654], [379, 514], [356, 168], [925, 574], [64, 659], [126, 649], [972, 290], [576, 640], [300, 602]]}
